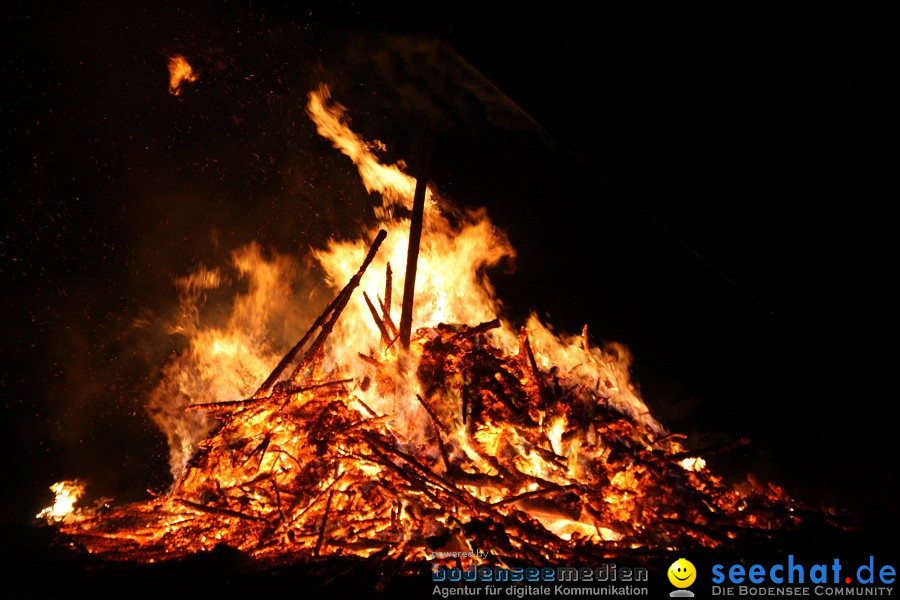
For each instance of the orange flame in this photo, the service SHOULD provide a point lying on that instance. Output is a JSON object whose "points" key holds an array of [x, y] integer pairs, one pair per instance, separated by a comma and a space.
{"points": [[225, 359], [180, 71], [451, 284]]}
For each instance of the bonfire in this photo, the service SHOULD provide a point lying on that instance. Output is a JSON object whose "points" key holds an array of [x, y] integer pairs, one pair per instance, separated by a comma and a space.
{"points": [[476, 435]]}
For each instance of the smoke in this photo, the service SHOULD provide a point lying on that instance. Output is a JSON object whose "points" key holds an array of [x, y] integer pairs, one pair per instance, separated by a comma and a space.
{"points": [[423, 83]]}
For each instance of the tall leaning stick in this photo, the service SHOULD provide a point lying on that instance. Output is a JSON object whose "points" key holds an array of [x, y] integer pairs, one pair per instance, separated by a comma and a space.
{"points": [[415, 235]]}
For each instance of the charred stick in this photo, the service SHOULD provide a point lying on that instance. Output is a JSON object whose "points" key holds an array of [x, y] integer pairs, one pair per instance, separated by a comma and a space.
{"points": [[539, 379], [444, 456], [305, 388], [216, 510], [329, 489], [354, 427], [314, 363], [386, 304], [385, 337], [434, 419], [269, 383], [458, 476], [573, 390], [533, 494], [226, 405], [388, 293], [552, 457], [415, 473], [367, 407], [671, 436], [415, 238], [428, 474], [481, 328], [393, 341], [321, 321], [281, 450], [344, 298], [419, 473], [321, 541], [243, 485], [262, 452], [251, 401], [386, 311], [278, 501], [413, 480], [369, 359], [260, 449], [438, 427]]}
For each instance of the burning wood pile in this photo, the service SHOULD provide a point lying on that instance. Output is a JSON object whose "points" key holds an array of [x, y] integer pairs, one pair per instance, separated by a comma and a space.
{"points": [[478, 436]]}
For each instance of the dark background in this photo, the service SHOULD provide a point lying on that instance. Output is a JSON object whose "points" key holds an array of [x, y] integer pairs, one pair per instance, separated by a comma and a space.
{"points": [[744, 249]]}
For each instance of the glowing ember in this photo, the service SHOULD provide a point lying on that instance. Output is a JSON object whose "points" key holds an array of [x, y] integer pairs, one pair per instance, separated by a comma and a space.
{"points": [[179, 72], [67, 492], [693, 464], [483, 435]]}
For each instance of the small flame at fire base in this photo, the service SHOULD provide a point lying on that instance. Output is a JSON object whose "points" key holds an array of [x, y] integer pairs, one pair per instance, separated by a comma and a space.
{"points": [[67, 493]]}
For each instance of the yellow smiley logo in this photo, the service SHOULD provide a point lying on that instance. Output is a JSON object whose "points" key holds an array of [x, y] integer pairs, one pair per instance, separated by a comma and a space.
{"points": [[682, 573]]}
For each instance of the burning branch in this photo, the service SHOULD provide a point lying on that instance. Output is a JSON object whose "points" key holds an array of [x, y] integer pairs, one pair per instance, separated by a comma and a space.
{"points": [[388, 293], [385, 337], [325, 321], [338, 307]]}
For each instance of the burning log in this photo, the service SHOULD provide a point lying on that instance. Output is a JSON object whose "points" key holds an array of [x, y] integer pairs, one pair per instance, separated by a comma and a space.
{"points": [[321, 539]]}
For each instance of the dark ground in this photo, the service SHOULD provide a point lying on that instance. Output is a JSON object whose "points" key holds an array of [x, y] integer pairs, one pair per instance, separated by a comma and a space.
{"points": [[760, 142]]}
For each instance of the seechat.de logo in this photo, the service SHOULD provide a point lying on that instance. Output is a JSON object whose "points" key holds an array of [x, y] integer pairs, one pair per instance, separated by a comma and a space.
{"points": [[682, 574]]}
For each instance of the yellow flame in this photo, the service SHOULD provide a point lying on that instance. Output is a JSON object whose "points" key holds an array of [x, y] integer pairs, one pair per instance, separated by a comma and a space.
{"points": [[180, 71], [224, 360], [395, 186], [693, 464], [67, 492], [451, 285]]}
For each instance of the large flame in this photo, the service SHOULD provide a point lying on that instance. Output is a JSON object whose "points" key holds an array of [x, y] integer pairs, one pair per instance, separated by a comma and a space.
{"points": [[451, 283], [224, 358], [370, 448]]}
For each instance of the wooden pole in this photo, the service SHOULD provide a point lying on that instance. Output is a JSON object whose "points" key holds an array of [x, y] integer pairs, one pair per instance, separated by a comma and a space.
{"points": [[415, 235]]}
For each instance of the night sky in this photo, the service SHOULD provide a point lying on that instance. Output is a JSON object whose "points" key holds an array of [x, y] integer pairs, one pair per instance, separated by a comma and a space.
{"points": [[710, 188]]}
